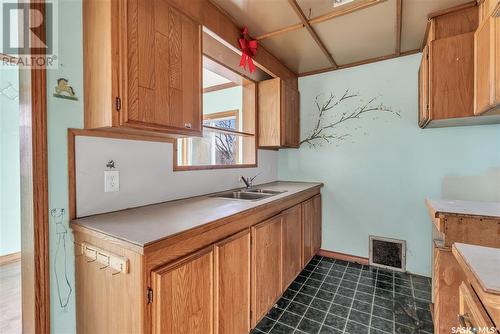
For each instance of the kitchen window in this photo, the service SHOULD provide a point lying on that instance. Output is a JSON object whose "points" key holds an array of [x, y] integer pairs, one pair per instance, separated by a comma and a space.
{"points": [[228, 123]]}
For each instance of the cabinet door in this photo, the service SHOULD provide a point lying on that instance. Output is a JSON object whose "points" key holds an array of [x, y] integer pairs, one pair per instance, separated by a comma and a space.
{"points": [[483, 70], [290, 116], [316, 224], [183, 295], [164, 68], [311, 227], [232, 285], [423, 88], [292, 243], [266, 266], [452, 78]]}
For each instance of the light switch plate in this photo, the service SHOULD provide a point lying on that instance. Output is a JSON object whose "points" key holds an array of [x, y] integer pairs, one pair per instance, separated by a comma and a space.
{"points": [[111, 181]]}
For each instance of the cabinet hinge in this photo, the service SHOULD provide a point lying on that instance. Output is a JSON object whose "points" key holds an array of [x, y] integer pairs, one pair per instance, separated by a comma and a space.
{"points": [[118, 103], [427, 106], [149, 295]]}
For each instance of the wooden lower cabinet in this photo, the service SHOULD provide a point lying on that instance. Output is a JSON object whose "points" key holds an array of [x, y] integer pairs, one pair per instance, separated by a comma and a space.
{"points": [[472, 314], [232, 285], [202, 283], [447, 277], [311, 227], [266, 266], [291, 232], [183, 295]]}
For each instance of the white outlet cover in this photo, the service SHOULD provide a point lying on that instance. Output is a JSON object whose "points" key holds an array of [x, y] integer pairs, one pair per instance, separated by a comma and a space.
{"points": [[111, 181]]}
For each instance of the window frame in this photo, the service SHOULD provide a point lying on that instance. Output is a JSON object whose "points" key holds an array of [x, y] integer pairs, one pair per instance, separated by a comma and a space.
{"points": [[249, 87]]}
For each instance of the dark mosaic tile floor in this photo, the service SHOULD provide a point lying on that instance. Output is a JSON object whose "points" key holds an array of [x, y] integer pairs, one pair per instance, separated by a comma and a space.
{"points": [[334, 296]]}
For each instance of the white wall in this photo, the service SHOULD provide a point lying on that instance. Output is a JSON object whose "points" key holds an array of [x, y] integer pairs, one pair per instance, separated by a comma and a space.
{"points": [[147, 176]]}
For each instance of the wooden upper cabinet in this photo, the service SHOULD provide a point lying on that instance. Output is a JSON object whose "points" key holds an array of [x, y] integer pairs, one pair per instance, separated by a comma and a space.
{"points": [[279, 113], [487, 60], [232, 285], [142, 67], [183, 295], [291, 244], [266, 266], [311, 228], [447, 68]]}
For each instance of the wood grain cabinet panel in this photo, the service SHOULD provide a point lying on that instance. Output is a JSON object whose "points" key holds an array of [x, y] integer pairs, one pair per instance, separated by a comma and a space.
{"points": [[183, 295], [423, 88], [292, 244], [266, 266], [311, 227], [232, 285], [142, 67], [279, 114]]}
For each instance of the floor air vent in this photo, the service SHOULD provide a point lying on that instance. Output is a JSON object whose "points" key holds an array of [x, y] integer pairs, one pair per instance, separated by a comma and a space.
{"points": [[388, 253]]}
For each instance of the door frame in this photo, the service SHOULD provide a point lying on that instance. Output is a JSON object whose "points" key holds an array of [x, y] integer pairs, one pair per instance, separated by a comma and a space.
{"points": [[34, 193]]}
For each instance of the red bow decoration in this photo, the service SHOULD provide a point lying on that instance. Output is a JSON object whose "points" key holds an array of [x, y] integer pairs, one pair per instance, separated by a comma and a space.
{"points": [[249, 49]]}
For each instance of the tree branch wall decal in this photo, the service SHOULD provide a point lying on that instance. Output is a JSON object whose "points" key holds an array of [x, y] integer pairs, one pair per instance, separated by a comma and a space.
{"points": [[328, 117]]}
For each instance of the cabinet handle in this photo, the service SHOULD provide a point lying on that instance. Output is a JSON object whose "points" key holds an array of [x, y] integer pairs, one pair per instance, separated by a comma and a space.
{"points": [[188, 125], [466, 323]]}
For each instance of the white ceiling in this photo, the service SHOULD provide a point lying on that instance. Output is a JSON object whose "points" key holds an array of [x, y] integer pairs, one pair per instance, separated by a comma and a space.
{"points": [[357, 36], [212, 79]]}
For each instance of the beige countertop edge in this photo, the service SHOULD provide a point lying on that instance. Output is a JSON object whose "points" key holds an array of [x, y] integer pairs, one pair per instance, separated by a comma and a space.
{"points": [[207, 226], [440, 213]]}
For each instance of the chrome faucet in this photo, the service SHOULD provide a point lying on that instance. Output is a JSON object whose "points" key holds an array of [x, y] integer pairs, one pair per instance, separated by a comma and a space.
{"points": [[249, 180]]}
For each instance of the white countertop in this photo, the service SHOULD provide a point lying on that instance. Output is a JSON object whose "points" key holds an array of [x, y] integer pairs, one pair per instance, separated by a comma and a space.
{"points": [[484, 262], [145, 225], [457, 207]]}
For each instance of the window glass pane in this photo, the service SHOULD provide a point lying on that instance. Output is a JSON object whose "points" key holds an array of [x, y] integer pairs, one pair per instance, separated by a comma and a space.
{"points": [[216, 148]]}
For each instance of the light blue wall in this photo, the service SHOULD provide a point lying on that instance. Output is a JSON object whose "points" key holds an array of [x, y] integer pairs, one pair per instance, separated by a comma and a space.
{"points": [[223, 100], [63, 114], [376, 181], [10, 209]]}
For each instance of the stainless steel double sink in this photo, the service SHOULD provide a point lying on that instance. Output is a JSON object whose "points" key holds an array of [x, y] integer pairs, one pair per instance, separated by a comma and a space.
{"points": [[253, 194]]}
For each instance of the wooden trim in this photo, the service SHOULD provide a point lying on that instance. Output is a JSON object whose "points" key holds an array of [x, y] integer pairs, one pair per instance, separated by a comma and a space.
{"points": [[34, 189], [102, 133], [10, 258], [292, 27], [203, 167], [230, 131], [358, 63], [343, 256], [426, 35], [451, 9], [343, 10], [399, 24], [312, 32], [215, 88]]}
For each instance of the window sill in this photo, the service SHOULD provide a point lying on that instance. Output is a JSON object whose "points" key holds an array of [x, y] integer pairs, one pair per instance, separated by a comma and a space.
{"points": [[207, 167]]}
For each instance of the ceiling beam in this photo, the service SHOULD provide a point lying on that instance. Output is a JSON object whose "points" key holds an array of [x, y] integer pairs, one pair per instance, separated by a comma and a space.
{"points": [[339, 11], [312, 32], [399, 24], [358, 63]]}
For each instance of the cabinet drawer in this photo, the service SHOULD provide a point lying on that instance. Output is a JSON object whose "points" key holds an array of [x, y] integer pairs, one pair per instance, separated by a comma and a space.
{"points": [[472, 315]]}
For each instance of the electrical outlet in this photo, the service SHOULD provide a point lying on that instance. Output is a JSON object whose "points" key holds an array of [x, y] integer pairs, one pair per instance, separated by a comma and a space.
{"points": [[111, 181]]}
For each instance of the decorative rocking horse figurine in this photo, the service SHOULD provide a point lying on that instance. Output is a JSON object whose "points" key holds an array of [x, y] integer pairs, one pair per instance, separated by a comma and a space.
{"points": [[64, 90]]}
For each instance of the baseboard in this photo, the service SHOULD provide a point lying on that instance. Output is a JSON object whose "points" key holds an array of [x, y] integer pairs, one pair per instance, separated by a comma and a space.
{"points": [[9, 258], [343, 256]]}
